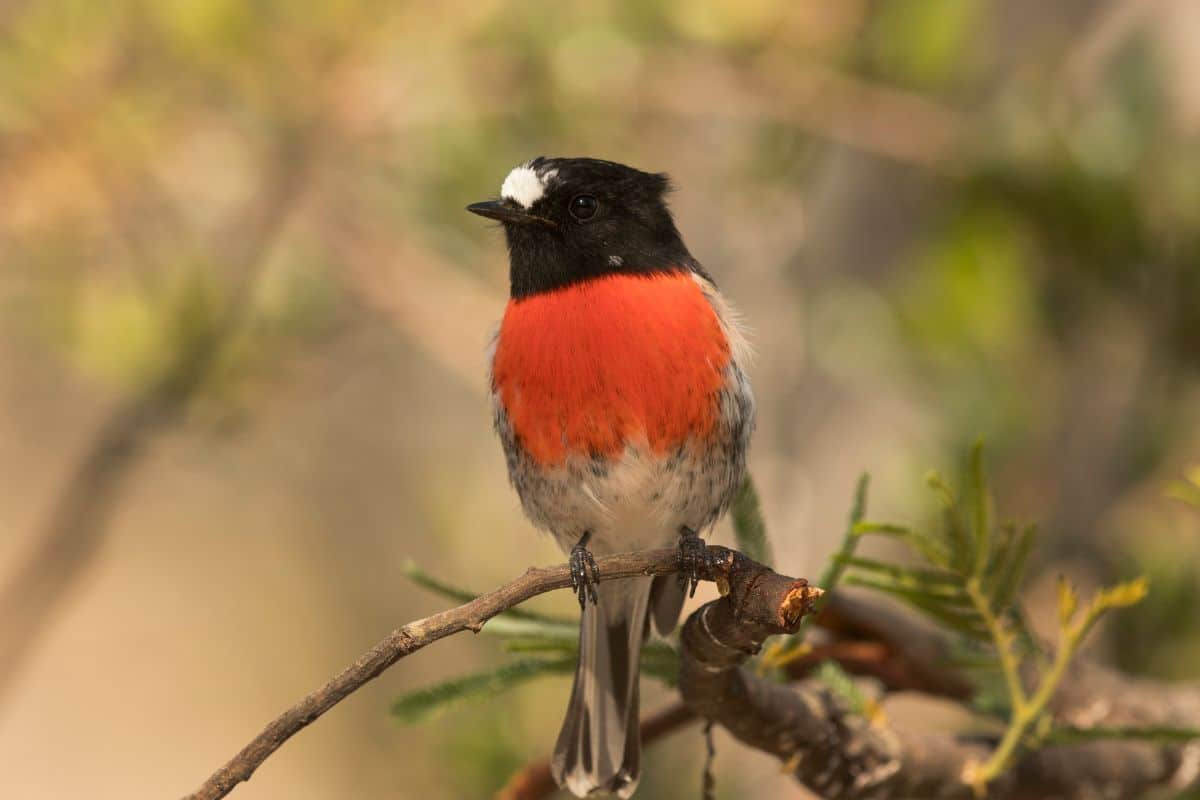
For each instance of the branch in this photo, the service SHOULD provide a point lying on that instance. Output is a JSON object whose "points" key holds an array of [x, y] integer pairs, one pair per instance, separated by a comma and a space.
{"points": [[920, 650], [858, 657], [839, 754], [767, 599]]}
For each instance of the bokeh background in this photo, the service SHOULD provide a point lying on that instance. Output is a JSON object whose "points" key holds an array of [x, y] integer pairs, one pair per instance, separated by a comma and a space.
{"points": [[243, 319]]}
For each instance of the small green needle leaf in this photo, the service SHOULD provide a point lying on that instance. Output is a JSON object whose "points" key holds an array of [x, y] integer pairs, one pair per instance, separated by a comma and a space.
{"points": [[1123, 595], [923, 543], [1160, 735], [1068, 601], [1008, 578], [422, 704], [426, 581]]}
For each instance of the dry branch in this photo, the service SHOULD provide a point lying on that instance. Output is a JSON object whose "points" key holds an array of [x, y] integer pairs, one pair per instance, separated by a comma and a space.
{"points": [[840, 754], [828, 748], [771, 599]]}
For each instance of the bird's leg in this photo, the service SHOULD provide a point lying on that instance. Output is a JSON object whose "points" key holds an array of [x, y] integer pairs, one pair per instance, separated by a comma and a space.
{"points": [[584, 572], [693, 559]]}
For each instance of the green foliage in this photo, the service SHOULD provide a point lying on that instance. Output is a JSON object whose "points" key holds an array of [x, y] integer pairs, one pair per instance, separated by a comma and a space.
{"points": [[554, 640], [426, 581], [842, 685], [968, 582], [778, 653], [969, 585], [422, 704], [1153, 734], [972, 570]]}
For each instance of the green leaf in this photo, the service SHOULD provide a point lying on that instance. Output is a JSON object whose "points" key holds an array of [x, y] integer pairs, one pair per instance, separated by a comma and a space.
{"points": [[749, 526], [912, 577], [837, 565], [999, 556], [422, 704], [1156, 734], [661, 661], [962, 620], [962, 546], [1068, 601], [1123, 595], [832, 574], [935, 481], [556, 646], [1008, 578], [1019, 623], [843, 686], [962, 555], [948, 597], [523, 627], [924, 544], [1119, 596], [426, 581]]}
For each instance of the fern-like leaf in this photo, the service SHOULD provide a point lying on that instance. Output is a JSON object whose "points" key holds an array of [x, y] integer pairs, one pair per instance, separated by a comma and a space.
{"points": [[426, 581], [422, 704]]}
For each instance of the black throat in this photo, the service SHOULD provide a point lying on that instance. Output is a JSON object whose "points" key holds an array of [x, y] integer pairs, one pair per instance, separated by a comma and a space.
{"points": [[540, 261]]}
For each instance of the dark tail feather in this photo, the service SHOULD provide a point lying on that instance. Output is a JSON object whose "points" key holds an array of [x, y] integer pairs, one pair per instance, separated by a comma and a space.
{"points": [[666, 601], [598, 749]]}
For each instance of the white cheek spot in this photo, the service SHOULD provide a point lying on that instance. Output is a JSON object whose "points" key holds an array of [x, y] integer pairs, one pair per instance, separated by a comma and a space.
{"points": [[523, 186], [615, 261]]}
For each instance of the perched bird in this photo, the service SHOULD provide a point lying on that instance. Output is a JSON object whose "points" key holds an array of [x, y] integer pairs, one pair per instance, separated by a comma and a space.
{"points": [[620, 397]]}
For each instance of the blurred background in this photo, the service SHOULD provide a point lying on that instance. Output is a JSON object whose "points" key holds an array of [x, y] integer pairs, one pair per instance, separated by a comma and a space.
{"points": [[243, 320]]}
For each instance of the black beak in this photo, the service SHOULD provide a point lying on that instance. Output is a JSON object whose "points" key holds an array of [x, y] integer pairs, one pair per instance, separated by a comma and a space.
{"points": [[505, 211]]}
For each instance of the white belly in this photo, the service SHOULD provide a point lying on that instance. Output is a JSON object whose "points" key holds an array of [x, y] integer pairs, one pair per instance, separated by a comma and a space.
{"points": [[637, 503]]}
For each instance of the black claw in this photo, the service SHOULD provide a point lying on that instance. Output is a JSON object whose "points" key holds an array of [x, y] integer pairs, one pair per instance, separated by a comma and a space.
{"points": [[585, 575], [693, 560]]}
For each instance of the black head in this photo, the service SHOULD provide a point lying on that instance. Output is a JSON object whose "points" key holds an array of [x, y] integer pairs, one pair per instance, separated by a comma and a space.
{"points": [[571, 219]]}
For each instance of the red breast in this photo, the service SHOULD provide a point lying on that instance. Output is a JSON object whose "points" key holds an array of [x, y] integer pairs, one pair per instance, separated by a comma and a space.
{"points": [[619, 359]]}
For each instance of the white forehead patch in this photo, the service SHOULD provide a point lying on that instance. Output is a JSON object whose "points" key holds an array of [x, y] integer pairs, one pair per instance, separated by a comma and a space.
{"points": [[524, 186]]}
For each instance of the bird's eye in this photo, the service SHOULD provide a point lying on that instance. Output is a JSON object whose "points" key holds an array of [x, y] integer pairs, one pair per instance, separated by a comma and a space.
{"points": [[583, 207]]}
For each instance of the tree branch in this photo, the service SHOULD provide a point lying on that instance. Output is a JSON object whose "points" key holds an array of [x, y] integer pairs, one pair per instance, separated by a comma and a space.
{"points": [[765, 598], [858, 657], [840, 754]]}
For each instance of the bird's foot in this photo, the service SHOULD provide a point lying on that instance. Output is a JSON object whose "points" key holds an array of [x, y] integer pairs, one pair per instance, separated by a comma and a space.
{"points": [[693, 560], [585, 575]]}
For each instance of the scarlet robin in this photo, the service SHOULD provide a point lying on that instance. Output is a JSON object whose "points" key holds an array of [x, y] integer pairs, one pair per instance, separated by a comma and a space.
{"points": [[621, 400]]}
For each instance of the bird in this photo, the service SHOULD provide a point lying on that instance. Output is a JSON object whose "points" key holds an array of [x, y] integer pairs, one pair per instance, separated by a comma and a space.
{"points": [[619, 394]]}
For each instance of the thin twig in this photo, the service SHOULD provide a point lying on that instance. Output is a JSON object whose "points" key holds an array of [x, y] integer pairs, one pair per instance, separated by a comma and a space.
{"points": [[723, 564]]}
